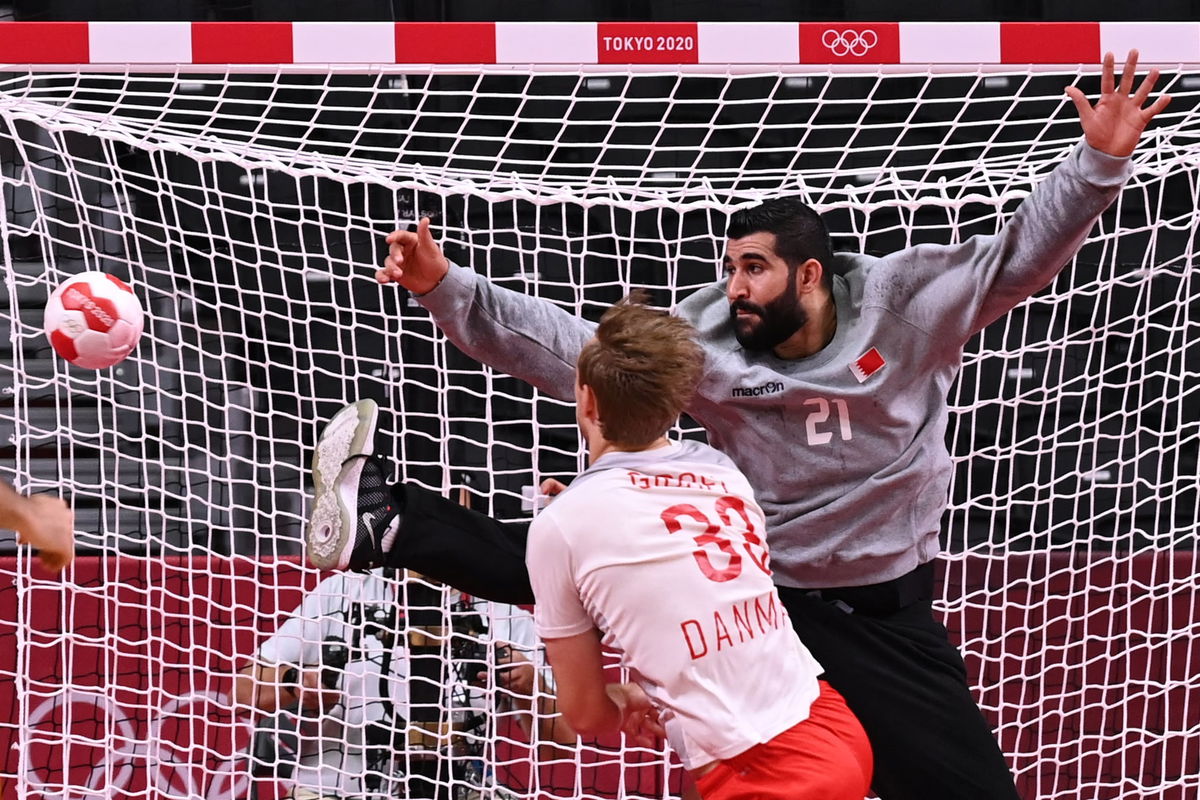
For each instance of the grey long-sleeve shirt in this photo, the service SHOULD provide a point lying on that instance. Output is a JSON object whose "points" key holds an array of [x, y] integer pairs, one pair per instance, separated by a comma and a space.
{"points": [[845, 448]]}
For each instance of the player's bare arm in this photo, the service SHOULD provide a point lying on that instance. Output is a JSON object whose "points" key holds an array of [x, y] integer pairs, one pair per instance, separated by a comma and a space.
{"points": [[1115, 123], [42, 521], [639, 717], [590, 703], [414, 260], [527, 692], [579, 677]]}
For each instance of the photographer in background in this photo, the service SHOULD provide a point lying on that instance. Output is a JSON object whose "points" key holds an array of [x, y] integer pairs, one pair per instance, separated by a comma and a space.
{"points": [[378, 686]]}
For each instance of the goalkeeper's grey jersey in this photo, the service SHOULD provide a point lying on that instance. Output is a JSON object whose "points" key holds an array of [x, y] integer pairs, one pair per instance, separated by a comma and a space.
{"points": [[845, 449]]}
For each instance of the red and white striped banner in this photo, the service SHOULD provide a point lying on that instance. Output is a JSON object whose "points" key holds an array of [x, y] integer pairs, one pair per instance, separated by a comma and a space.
{"points": [[544, 43]]}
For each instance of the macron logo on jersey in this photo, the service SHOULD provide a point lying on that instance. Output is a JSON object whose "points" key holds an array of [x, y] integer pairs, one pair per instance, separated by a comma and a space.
{"points": [[770, 387], [867, 364]]}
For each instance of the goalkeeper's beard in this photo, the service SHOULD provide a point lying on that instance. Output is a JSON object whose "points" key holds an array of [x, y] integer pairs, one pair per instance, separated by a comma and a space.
{"points": [[777, 321]]}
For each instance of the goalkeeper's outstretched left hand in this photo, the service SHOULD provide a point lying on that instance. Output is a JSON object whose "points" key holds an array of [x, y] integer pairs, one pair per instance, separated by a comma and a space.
{"points": [[1116, 122]]}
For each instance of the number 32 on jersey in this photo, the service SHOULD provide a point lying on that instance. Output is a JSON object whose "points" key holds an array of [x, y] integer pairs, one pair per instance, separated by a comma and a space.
{"points": [[731, 534]]}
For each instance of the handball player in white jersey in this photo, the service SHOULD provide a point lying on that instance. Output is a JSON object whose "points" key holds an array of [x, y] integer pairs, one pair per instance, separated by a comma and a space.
{"points": [[657, 552]]}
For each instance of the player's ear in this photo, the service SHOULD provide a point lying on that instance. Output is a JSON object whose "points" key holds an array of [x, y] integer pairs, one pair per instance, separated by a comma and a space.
{"points": [[809, 275], [589, 409]]}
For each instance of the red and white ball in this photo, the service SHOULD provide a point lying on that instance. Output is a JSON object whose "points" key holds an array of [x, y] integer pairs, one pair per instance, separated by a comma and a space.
{"points": [[93, 320]]}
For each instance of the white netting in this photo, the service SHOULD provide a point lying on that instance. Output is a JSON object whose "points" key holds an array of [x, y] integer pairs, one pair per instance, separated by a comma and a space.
{"points": [[248, 212]]}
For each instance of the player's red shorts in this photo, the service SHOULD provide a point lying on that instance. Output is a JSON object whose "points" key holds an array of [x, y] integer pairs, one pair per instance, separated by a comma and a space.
{"points": [[826, 757]]}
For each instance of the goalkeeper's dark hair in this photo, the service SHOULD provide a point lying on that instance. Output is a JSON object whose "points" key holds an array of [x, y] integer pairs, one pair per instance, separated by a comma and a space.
{"points": [[643, 366], [800, 233]]}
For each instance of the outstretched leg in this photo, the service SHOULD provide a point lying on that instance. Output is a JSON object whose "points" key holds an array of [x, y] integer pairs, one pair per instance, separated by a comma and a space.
{"points": [[463, 548], [358, 521]]}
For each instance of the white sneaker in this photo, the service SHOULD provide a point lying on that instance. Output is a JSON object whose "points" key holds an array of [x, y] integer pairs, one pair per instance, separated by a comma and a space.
{"points": [[352, 516]]}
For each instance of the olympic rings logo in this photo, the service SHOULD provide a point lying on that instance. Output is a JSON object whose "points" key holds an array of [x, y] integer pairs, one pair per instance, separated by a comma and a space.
{"points": [[849, 43], [121, 753]]}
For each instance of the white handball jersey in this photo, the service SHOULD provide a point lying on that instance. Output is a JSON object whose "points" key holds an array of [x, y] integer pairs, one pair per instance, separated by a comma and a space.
{"points": [[664, 551], [332, 759]]}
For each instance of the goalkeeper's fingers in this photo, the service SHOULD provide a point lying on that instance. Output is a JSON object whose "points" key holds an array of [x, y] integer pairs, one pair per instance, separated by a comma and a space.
{"points": [[389, 275]]}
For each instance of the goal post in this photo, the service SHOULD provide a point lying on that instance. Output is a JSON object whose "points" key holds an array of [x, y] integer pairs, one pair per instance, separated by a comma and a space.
{"points": [[241, 177]]}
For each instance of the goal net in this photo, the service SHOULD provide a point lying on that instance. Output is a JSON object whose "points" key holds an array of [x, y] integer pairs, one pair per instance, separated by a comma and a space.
{"points": [[247, 209]]}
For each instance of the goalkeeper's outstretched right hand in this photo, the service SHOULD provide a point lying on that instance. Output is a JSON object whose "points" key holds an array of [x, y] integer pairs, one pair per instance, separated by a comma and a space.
{"points": [[414, 260]]}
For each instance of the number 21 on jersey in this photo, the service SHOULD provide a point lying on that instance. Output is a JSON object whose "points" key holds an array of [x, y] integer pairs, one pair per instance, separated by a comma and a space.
{"points": [[719, 537]]}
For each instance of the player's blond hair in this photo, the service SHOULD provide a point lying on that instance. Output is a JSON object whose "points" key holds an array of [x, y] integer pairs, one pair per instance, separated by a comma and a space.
{"points": [[643, 366]]}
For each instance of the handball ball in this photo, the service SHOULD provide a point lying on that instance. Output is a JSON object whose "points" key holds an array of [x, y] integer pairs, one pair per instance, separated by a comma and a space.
{"points": [[93, 320]]}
